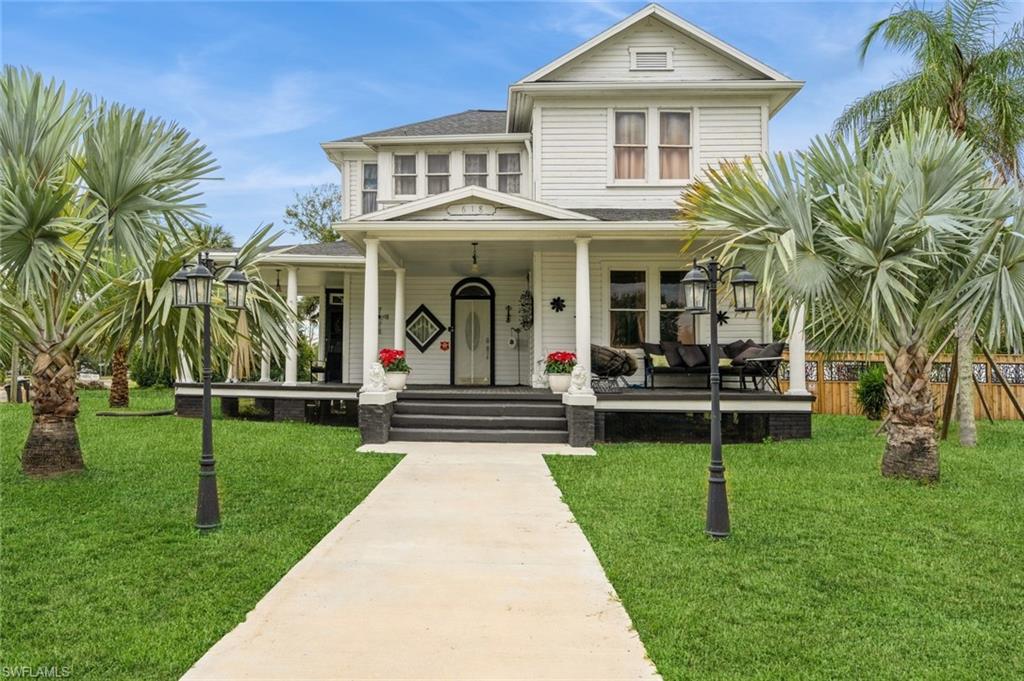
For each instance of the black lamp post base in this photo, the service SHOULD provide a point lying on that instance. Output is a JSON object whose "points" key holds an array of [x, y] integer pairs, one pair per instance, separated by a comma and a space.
{"points": [[207, 506]]}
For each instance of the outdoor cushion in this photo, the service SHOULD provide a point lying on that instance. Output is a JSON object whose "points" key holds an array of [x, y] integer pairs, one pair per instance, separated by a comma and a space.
{"points": [[692, 355], [752, 351], [671, 352], [734, 348], [772, 350], [652, 349], [659, 361]]}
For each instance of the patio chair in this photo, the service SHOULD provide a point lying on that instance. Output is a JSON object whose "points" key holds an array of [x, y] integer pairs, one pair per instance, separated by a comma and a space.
{"points": [[610, 367]]}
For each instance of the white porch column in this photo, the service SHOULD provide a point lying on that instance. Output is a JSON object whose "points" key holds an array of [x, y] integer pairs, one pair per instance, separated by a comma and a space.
{"points": [[797, 352], [400, 309], [265, 366], [371, 320], [291, 362], [583, 304]]}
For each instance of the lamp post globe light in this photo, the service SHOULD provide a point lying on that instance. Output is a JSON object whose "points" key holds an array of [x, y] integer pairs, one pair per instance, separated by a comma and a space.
{"points": [[700, 292], [192, 286]]}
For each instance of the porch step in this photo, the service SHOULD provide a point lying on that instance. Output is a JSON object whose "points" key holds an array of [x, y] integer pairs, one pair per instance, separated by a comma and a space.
{"points": [[425, 415], [477, 435], [478, 422], [492, 408]]}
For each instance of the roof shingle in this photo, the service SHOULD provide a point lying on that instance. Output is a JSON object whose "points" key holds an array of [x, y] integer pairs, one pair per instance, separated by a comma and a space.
{"points": [[471, 122]]}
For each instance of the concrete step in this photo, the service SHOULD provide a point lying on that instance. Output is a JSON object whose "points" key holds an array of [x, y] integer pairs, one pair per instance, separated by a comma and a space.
{"points": [[476, 435], [483, 395], [474, 422], [493, 409]]}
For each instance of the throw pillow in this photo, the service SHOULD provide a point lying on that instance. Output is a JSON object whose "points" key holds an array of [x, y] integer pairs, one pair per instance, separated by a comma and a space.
{"points": [[671, 351], [651, 349], [692, 355], [772, 350], [752, 351], [659, 361], [724, 362], [734, 348]]}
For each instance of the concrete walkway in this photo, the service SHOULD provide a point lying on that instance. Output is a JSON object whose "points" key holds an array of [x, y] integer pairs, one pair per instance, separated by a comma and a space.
{"points": [[462, 564]]}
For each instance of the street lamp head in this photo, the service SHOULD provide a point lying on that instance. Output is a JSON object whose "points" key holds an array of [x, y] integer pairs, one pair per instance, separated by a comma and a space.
{"points": [[235, 286], [200, 281], [695, 291], [179, 287], [744, 286]]}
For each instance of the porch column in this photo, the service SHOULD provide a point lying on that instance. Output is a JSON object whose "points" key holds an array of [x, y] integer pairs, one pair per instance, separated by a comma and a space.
{"points": [[371, 319], [291, 362], [265, 366], [583, 304], [797, 352], [400, 309]]}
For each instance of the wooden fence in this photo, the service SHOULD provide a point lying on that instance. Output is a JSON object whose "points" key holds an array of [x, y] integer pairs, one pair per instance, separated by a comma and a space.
{"points": [[833, 378]]}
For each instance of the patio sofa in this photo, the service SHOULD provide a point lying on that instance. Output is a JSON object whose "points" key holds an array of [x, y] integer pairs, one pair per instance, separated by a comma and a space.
{"points": [[747, 359]]}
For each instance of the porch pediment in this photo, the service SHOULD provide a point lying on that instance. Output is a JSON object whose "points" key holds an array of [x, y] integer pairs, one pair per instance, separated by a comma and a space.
{"points": [[473, 204]]}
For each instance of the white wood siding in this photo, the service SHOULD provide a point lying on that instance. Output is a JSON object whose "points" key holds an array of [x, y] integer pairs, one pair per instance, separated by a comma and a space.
{"points": [[730, 133], [690, 60]]}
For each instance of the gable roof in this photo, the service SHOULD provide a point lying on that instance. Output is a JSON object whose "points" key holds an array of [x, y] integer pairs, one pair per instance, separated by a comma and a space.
{"points": [[673, 20], [472, 192], [470, 122]]}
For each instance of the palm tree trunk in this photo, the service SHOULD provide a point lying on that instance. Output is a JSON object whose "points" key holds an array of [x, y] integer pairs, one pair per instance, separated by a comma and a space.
{"points": [[52, 446], [965, 381], [119, 378], [911, 450]]}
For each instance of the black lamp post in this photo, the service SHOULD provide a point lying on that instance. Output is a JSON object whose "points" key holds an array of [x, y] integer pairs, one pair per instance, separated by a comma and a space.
{"points": [[192, 286], [700, 292]]}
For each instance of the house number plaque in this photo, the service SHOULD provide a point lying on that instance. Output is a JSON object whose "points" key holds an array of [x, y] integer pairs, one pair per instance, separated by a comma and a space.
{"points": [[471, 209]]}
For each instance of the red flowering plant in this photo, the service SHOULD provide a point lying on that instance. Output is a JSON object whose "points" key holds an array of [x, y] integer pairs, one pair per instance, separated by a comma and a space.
{"points": [[560, 362], [394, 361]]}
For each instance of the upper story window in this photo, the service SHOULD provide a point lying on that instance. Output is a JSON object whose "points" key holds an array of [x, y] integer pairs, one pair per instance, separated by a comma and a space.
{"points": [[405, 174], [369, 187], [630, 145], [509, 173], [674, 145], [650, 58], [475, 171], [437, 173]]}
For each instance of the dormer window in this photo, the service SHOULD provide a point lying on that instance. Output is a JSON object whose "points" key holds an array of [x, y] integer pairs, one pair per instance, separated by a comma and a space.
{"points": [[650, 58]]}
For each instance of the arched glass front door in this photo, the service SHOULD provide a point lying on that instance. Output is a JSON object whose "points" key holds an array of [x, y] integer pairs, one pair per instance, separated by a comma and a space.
{"points": [[472, 332]]}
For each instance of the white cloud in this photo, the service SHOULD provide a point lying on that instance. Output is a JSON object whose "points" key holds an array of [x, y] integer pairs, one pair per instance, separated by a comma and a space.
{"points": [[270, 177]]}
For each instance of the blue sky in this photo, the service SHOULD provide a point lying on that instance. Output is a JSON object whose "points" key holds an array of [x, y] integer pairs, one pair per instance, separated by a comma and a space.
{"points": [[262, 84]]}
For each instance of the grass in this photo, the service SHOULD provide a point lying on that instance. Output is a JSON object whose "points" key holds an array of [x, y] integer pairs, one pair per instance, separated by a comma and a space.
{"points": [[101, 573], [832, 572]]}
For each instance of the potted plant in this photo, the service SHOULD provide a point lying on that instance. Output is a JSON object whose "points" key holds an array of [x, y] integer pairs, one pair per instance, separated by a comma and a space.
{"points": [[558, 367], [396, 369]]}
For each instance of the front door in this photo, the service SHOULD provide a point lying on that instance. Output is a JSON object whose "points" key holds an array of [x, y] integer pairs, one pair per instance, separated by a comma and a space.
{"points": [[472, 332]]}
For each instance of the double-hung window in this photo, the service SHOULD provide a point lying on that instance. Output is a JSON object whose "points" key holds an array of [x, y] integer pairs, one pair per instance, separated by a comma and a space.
{"points": [[674, 322], [630, 145], [437, 173], [369, 187], [509, 172], [475, 170], [628, 308], [405, 174], [674, 145]]}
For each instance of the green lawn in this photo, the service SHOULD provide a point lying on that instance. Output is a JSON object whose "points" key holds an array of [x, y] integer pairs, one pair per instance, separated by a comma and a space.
{"points": [[102, 572], [831, 571]]}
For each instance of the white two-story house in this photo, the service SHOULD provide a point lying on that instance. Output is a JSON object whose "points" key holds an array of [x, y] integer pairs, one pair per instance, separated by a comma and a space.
{"points": [[566, 201], [568, 196]]}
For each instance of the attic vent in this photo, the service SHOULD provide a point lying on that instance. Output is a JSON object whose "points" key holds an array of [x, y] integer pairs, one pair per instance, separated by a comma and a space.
{"points": [[650, 59]]}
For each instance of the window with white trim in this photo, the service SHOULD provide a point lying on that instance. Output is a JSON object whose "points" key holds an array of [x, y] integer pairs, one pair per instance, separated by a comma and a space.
{"points": [[369, 187], [437, 173], [627, 308], [630, 145], [405, 174], [475, 170], [509, 173], [674, 145]]}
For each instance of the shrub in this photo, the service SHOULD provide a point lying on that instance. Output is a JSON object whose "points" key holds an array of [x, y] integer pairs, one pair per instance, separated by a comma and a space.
{"points": [[870, 392], [147, 373]]}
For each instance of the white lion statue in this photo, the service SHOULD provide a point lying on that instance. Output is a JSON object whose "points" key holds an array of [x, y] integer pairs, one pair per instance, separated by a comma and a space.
{"points": [[375, 382], [580, 381]]}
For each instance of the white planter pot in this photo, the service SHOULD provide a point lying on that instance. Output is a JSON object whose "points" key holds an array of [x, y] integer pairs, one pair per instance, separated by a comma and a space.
{"points": [[396, 379], [559, 383]]}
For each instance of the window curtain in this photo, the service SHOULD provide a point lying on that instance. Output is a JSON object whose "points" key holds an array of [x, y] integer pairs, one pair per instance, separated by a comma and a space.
{"points": [[630, 129], [674, 154]]}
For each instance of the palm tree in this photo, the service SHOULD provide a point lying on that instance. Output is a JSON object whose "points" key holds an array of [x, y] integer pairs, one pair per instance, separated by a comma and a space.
{"points": [[83, 184], [885, 245], [209, 236], [978, 85]]}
